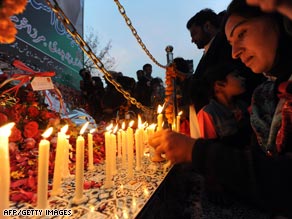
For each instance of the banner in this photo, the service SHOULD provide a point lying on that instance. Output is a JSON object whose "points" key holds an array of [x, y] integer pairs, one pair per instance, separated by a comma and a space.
{"points": [[43, 43]]}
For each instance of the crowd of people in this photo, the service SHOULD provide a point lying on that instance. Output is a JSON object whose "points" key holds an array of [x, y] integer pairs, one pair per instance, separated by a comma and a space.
{"points": [[240, 96], [105, 102]]}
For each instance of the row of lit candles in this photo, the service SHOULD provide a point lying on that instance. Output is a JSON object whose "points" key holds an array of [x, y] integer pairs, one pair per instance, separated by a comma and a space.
{"points": [[61, 164], [126, 143]]}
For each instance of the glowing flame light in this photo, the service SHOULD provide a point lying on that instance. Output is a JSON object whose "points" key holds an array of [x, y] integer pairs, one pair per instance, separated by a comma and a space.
{"points": [[48, 132], [152, 126], [108, 128], [84, 127], [140, 125], [91, 208], [160, 108], [6, 129], [92, 131], [131, 123], [64, 129], [115, 129], [180, 113], [123, 125]]}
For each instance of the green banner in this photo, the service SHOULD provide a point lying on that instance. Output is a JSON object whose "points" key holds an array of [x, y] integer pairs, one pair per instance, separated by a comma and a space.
{"points": [[43, 43]]}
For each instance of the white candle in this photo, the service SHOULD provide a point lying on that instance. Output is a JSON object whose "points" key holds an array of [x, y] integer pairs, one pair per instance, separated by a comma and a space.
{"points": [[67, 147], [178, 121], [113, 151], [119, 136], [59, 161], [108, 174], [124, 146], [159, 117], [157, 157], [139, 143], [90, 150], [130, 145], [79, 167], [5, 132], [43, 170]]}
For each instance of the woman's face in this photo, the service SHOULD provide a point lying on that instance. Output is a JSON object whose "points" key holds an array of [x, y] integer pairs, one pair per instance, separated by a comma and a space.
{"points": [[253, 40]]}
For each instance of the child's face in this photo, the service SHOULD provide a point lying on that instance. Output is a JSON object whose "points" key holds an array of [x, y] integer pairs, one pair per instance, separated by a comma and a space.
{"points": [[235, 84]]}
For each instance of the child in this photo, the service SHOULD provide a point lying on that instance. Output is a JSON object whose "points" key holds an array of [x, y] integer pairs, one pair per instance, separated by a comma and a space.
{"points": [[226, 116]]}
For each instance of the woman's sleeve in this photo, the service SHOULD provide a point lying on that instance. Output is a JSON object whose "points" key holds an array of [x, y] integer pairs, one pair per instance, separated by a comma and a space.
{"points": [[206, 124]]}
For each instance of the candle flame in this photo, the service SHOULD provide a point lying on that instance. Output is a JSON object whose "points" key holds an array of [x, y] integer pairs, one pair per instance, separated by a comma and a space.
{"points": [[180, 113], [48, 132], [92, 131], [115, 129], [123, 125], [160, 108], [131, 123], [108, 128], [64, 129], [5, 130], [84, 127], [152, 126], [140, 125]]}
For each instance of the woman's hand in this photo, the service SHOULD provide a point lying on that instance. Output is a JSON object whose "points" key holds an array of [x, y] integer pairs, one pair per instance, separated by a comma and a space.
{"points": [[282, 6], [176, 147]]}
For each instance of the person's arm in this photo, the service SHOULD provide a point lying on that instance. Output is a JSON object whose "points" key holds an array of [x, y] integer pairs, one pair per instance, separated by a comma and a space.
{"points": [[282, 6]]}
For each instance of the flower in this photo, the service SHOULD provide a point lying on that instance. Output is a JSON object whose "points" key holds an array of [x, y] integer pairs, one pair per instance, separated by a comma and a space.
{"points": [[3, 119], [31, 129], [7, 9]]}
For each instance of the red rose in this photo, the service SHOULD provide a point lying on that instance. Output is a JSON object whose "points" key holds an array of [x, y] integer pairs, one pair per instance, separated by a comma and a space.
{"points": [[30, 97], [15, 135], [45, 115], [3, 119], [29, 143], [33, 111], [31, 129]]}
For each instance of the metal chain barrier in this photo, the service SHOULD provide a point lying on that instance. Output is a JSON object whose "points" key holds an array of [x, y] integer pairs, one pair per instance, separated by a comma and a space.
{"points": [[138, 38], [86, 49]]}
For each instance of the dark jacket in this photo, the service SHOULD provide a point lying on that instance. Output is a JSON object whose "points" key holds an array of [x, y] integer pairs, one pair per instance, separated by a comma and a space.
{"points": [[262, 180]]}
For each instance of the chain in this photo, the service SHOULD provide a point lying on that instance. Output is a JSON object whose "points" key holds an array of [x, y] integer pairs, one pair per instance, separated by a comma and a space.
{"points": [[86, 49], [138, 38]]}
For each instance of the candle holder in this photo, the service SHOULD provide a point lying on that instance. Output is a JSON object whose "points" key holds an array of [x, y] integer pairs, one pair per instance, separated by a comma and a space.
{"points": [[108, 184], [157, 157], [56, 192], [79, 200]]}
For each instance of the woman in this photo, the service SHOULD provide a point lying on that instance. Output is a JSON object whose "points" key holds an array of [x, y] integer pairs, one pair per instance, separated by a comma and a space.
{"points": [[260, 174]]}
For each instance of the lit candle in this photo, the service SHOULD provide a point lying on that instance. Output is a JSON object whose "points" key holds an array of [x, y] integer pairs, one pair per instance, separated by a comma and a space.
{"points": [[67, 147], [90, 150], [124, 146], [157, 157], [5, 132], [119, 136], [79, 168], [108, 174], [159, 117], [178, 121], [59, 161], [138, 143], [43, 170], [150, 129], [113, 151], [130, 152]]}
